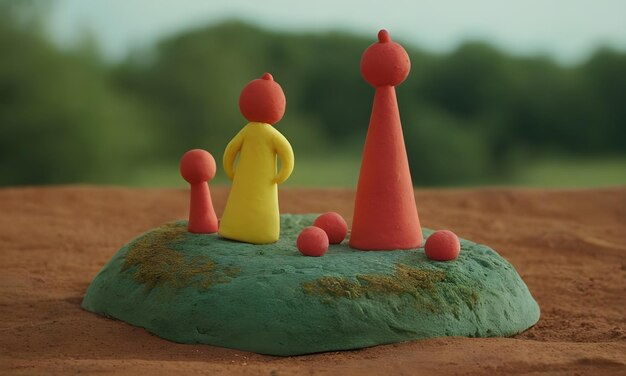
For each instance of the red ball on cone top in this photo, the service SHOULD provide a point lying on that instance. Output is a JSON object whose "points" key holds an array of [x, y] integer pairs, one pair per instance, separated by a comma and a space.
{"points": [[385, 63]]}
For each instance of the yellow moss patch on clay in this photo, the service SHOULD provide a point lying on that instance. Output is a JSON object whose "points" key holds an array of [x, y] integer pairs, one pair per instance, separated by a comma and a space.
{"points": [[232, 271], [405, 279], [468, 295], [333, 287], [158, 264]]}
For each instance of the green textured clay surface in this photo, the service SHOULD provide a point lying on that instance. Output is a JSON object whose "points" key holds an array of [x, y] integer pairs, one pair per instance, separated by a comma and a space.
{"points": [[270, 299]]}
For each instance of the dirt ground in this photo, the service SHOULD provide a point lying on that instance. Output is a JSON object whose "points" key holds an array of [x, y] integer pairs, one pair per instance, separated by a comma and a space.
{"points": [[569, 247]]}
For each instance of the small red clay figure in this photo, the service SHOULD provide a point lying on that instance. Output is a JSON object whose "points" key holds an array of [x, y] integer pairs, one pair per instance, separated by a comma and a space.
{"points": [[197, 167], [385, 215]]}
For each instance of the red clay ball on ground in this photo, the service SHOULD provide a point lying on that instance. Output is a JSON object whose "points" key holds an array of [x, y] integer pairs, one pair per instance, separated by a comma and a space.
{"points": [[334, 225], [442, 245], [312, 241]]}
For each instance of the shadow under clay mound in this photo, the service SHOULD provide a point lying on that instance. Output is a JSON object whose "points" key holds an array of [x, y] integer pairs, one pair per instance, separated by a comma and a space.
{"points": [[270, 299]]}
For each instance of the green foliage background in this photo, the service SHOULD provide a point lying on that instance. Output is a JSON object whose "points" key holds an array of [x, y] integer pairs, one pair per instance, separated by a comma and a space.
{"points": [[473, 116]]}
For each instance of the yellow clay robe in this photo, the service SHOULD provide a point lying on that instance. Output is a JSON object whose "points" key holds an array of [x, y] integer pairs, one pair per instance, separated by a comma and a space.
{"points": [[251, 214]]}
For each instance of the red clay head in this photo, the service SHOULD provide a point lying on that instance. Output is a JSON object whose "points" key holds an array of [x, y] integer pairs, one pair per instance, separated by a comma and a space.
{"points": [[263, 100], [197, 166], [385, 63]]}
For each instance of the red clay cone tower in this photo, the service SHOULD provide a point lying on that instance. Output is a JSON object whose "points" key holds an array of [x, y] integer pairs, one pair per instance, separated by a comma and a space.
{"points": [[385, 216], [197, 167]]}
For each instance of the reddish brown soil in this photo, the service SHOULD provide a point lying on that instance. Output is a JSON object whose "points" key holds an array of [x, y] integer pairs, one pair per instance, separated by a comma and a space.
{"points": [[569, 247]]}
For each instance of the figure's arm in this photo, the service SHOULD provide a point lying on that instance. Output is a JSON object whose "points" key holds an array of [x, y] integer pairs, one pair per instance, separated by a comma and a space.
{"points": [[230, 154], [285, 153]]}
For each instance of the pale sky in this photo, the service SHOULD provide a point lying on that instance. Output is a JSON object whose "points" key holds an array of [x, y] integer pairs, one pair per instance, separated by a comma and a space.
{"points": [[567, 30]]}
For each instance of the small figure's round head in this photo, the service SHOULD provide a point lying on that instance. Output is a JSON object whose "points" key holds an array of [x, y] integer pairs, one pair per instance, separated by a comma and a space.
{"points": [[385, 63], [197, 166], [263, 100]]}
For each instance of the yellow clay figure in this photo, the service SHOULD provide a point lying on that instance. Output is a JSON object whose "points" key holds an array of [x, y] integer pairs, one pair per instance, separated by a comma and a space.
{"points": [[251, 214]]}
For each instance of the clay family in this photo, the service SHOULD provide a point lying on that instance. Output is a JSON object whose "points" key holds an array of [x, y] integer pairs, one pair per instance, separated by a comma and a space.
{"points": [[385, 214]]}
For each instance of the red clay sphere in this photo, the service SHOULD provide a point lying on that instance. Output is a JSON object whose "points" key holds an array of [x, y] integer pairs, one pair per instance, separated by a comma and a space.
{"points": [[385, 63], [312, 241], [334, 225], [442, 245], [197, 166], [263, 100]]}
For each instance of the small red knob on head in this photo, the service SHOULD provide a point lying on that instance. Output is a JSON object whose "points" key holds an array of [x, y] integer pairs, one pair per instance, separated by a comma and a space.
{"points": [[197, 166], [263, 100], [383, 36], [385, 63]]}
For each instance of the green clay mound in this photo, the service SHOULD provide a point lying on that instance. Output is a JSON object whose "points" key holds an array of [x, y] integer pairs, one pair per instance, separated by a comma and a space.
{"points": [[270, 299]]}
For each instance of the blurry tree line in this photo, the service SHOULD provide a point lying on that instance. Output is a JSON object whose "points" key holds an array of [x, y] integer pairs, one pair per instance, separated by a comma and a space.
{"points": [[473, 114]]}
